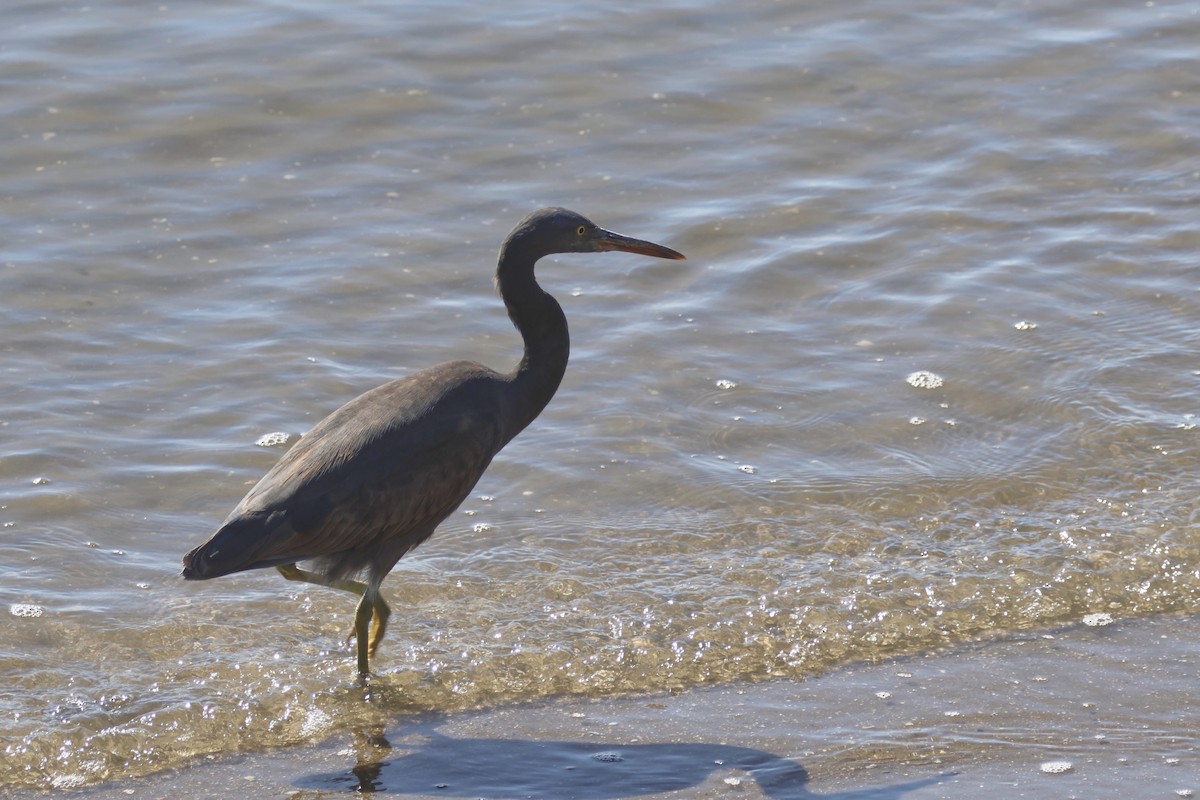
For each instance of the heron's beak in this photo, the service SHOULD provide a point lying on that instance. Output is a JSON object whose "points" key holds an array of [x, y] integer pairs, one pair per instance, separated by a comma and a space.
{"points": [[607, 240]]}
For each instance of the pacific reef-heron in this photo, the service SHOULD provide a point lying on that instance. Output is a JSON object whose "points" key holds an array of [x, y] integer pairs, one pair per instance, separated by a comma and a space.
{"points": [[374, 479]]}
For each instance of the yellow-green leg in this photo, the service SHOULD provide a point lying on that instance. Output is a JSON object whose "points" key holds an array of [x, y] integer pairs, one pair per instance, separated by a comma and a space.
{"points": [[362, 625], [294, 573], [372, 605]]}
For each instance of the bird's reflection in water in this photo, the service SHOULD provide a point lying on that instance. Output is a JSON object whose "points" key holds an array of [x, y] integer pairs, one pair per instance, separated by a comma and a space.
{"points": [[428, 762], [371, 748]]}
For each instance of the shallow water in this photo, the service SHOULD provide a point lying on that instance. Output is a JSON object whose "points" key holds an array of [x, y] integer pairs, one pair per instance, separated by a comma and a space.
{"points": [[1030, 715], [224, 220]]}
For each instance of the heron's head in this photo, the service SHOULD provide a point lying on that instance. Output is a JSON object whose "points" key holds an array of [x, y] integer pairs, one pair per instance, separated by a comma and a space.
{"points": [[558, 230]]}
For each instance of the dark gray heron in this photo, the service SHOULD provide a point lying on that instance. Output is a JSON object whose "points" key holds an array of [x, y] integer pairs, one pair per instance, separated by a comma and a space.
{"points": [[374, 479]]}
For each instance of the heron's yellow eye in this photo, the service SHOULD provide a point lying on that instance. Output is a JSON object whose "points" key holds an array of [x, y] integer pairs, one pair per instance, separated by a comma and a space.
{"points": [[582, 230]]}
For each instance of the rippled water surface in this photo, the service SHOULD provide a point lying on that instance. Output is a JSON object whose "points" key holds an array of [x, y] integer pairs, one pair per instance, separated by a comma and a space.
{"points": [[929, 373]]}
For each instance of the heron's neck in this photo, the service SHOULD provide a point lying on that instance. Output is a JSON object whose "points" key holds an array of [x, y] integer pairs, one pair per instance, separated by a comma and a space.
{"points": [[543, 327]]}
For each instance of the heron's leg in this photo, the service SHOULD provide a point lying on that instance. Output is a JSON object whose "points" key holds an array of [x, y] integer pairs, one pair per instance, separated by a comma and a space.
{"points": [[362, 625], [382, 612], [294, 573], [378, 607]]}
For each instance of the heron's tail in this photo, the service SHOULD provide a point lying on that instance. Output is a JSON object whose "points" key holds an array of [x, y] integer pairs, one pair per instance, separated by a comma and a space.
{"points": [[236, 547], [198, 564]]}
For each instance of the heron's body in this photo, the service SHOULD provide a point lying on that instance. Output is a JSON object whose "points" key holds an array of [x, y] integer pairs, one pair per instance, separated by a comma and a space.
{"points": [[374, 479], [370, 481]]}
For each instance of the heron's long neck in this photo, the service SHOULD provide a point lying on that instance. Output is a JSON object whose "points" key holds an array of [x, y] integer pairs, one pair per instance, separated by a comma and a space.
{"points": [[543, 326]]}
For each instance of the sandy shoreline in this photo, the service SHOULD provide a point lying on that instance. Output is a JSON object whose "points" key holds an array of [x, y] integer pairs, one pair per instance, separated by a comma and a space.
{"points": [[1079, 712]]}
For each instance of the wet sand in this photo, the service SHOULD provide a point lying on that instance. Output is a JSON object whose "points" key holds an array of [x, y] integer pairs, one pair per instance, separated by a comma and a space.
{"points": [[1090, 711]]}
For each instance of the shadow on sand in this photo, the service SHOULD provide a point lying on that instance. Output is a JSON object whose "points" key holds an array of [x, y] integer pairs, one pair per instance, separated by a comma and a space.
{"points": [[431, 763]]}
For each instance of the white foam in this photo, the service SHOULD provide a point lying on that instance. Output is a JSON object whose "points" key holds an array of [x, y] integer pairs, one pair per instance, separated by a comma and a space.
{"points": [[273, 439], [924, 379], [1056, 767], [26, 610]]}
